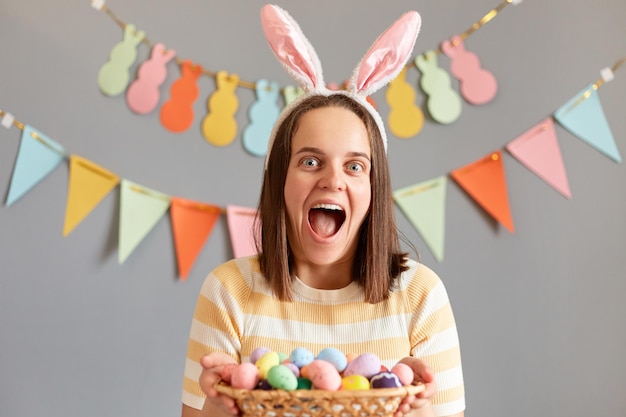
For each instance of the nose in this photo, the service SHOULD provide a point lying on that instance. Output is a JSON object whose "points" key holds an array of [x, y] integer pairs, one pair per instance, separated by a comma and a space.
{"points": [[332, 178]]}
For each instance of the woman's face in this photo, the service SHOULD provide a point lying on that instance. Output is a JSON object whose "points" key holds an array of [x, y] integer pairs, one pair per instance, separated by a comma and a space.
{"points": [[327, 188]]}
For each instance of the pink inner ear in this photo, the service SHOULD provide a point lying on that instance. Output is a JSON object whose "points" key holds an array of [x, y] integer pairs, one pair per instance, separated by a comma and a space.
{"points": [[389, 53], [290, 45]]}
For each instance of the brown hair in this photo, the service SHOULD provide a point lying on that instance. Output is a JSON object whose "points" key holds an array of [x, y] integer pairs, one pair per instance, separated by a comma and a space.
{"points": [[378, 260]]}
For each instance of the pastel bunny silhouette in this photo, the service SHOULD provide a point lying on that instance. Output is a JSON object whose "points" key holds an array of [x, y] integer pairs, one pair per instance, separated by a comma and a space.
{"points": [[114, 75], [219, 127], [143, 94], [478, 86], [177, 112], [263, 114], [406, 119], [444, 103], [290, 93]]}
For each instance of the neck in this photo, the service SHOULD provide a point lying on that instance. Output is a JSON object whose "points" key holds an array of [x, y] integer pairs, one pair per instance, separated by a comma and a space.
{"points": [[325, 277]]}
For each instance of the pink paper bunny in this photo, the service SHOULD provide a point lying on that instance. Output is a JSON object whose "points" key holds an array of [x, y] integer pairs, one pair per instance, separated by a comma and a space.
{"points": [[143, 95], [478, 86]]}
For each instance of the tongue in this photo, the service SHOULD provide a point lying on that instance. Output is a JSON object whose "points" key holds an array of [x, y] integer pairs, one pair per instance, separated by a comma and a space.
{"points": [[323, 222]]}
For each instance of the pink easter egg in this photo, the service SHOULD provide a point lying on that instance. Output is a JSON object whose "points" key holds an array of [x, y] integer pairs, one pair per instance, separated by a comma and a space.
{"points": [[324, 375], [404, 372], [244, 376]]}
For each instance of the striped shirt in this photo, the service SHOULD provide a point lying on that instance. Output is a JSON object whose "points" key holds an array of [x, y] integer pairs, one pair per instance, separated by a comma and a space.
{"points": [[236, 313]]}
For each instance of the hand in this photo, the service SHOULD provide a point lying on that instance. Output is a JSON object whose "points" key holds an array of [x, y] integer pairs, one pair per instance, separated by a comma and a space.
{"points": [[423, 374], [211, 373]]}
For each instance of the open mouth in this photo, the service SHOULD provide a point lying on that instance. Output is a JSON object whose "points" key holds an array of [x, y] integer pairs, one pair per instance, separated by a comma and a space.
{"points": [[326, 219]]}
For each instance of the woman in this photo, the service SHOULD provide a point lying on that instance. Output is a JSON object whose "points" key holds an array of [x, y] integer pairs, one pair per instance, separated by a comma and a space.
{"points": [[330, 271]]}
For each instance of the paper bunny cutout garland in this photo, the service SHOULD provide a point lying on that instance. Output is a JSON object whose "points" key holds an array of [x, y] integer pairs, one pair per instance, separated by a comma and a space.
{"points": [[382, 63]]}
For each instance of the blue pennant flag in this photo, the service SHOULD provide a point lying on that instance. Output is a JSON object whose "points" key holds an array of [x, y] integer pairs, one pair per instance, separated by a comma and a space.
{"points": [[583, 116], [38, 155]]}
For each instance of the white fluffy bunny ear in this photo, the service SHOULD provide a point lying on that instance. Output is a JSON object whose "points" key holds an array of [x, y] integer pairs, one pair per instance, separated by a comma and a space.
{"points": [[387, 55], [292, 48]]}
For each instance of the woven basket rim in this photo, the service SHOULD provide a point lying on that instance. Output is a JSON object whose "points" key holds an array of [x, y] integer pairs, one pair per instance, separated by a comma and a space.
{"points": [[279, 394]]}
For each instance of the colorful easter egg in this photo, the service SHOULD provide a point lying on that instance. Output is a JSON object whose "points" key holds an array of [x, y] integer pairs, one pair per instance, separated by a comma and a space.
{"points": [[293, 368], [281, 377], [404, 373], [335, 357], [258, 352], [264, 385], [244, 376], [354, 383], [324, 375], [366, 364], [265, 362], [301, 357], [304, 383], [385, 380]]}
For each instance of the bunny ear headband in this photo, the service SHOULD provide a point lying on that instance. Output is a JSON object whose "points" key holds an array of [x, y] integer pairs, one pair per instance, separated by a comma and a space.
{"points": [[381, 64]]}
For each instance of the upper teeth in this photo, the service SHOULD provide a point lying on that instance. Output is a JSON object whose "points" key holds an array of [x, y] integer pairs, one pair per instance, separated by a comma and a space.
{"points": [[327, 207]]}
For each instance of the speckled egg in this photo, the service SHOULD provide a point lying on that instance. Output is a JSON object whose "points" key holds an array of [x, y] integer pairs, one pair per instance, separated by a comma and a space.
{"points": [[385, 380], [404, 373], [281, 377], [282, 357], [304, 383], [293, 368], [354, 383], [265, 362], [301, 357], [323, 375], [264, 385], [366, 364], [244, 376], [258, 352], [335, 357]]}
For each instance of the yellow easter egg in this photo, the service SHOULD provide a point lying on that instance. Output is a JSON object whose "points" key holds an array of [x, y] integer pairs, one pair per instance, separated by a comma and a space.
{"points": [[265, 363], [354, 383]]}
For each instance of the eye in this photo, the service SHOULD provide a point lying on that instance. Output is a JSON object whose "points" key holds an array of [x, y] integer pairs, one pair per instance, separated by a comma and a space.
{"points": [[310, 162], [355, 167]]}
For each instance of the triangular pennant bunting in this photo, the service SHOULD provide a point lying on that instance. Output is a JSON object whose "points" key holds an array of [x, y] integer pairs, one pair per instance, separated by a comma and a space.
{"points": [[38, 155], [88, 185], [140, 209], [241, 229], [584, 117], [424, 204], [485, 182], [538, 149], [192, 223]]}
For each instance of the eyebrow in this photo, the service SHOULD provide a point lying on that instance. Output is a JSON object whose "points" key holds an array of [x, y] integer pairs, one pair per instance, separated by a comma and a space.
{"points": [[320, 152]]}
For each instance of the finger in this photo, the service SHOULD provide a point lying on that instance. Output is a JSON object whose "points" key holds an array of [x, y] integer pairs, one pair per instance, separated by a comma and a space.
{"points": [[213, 360], [230, 405]]}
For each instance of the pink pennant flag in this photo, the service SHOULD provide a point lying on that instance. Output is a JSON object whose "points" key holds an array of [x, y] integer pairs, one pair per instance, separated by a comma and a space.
{"points": [[241, 227], [538, 149]]}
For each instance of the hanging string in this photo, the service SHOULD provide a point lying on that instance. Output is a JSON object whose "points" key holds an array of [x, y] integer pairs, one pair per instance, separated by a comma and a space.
{"points": [[178, 60], [482, 21], [34, 135], [247, 84], [595, 86]]}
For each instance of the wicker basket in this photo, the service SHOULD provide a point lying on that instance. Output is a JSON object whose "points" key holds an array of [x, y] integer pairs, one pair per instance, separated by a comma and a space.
{"points": [[379, 402]]}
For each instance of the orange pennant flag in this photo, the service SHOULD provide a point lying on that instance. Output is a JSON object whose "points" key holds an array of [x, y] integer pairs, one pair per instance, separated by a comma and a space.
{"points": [[484, 180], [88, 185], [192, 223]]}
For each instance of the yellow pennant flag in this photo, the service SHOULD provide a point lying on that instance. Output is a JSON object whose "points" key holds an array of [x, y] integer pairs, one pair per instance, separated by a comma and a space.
{"points": [[88, 185]]}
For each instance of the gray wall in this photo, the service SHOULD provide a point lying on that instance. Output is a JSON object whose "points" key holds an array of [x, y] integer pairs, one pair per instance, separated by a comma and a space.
{"points": [[540, 312]]}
